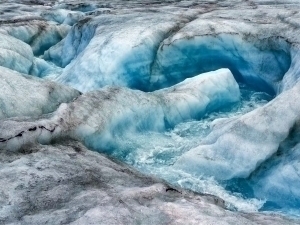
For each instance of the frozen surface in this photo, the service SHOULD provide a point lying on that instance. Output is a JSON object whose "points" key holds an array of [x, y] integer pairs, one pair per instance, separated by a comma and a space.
{"points": [[252, 139], [23, 95], [131, 59], [15, 54], [67, 184], [112, 50], [124, 110]]}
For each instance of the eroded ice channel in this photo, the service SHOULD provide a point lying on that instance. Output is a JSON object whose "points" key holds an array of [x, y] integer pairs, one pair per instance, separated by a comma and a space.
{"points": [[161, 132], [155, 153]]}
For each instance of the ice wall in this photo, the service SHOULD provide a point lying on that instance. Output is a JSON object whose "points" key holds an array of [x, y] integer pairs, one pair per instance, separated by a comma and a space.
{"points": [[15, 54], [159, 53], [203, 45]]}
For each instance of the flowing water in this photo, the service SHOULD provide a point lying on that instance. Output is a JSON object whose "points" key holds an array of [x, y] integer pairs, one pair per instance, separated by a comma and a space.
{"points": [[154, 153]]}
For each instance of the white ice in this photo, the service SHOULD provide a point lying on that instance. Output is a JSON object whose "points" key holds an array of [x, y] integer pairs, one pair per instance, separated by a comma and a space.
{"points": [[23, 95], [96, 117], [236, 147]]}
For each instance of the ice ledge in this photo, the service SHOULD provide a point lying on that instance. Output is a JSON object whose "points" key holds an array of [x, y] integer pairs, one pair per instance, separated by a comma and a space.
{"points": [[96, 116]]}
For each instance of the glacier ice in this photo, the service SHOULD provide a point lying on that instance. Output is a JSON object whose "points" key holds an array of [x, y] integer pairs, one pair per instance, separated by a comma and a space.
{"points": [[66, 183], [131, 60], [124, 54], [63, 16], [123, 110], [23, 95], [211, 45], [236, 147], [39, 34], [156, 59], [74, 43], [15, 54], [271, 179]]}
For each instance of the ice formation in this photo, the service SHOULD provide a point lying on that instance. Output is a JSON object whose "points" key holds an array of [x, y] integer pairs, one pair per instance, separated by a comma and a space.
{"points": [[23, 95], [123, 110], [252, 139], [203, 94]]}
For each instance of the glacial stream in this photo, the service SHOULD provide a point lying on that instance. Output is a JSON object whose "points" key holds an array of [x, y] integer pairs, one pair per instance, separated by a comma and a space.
{"points": [[154, 153]]}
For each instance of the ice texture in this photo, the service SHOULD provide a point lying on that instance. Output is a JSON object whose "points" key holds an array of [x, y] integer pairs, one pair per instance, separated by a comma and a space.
{"points": [[39, 34], [112, 50], [124, 110], [235, 148], [15, 54], [63, 16], [23, 95], [68, 184], [131, 59], [162, 51]]}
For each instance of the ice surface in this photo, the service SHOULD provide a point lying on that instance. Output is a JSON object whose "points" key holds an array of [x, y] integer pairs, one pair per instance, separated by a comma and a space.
{"points": [[237, 147], [63, 16], [260, 67], [23, 95], [68, 184], [277, 179], [15, 54], [195, 138], [116, 51], [39, 34], [75, 42], [97, 52], [155, 153], [124, 110]]}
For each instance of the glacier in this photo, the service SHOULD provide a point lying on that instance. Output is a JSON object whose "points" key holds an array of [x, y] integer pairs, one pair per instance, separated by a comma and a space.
{"points": [[124, 110], [149, 112]]}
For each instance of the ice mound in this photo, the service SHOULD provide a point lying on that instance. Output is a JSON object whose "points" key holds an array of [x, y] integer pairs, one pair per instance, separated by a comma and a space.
{"points": [[96, 117], [23, 95], [15, 54]]}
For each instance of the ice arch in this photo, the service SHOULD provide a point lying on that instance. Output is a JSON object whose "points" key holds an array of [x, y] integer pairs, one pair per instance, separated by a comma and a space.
{"points": [[202, 46], [166, 54]]}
